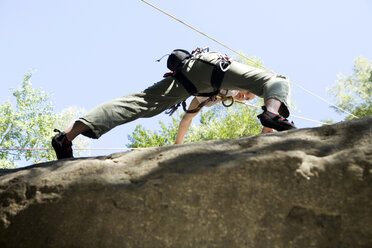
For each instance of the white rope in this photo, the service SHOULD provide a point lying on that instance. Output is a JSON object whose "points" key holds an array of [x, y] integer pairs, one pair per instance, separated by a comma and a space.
{"points": [[249, 59], [294, 116], [80, 149]]}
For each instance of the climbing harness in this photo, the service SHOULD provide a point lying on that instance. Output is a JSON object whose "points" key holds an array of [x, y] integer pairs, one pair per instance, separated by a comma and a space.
{"points": [[249, 59], [175, 63]]}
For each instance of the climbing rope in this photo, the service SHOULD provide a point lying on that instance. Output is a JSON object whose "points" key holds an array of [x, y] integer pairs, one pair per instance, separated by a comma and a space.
{"points": [[223, 100], [230, 99], [77, 149], [41, 149], [249, 59]]}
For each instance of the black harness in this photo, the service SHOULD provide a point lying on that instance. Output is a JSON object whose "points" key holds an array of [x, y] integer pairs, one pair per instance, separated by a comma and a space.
{"points": [[177, 60]]}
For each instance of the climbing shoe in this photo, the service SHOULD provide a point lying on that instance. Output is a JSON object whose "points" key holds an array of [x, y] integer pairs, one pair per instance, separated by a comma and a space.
{"points": [[275, 121], [62, 146]]}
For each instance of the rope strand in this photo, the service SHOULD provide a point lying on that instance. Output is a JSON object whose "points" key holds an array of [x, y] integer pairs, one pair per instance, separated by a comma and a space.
{"points": [[123, 149], [79, 149], [227, 47], [249, 59], [294, 116]]}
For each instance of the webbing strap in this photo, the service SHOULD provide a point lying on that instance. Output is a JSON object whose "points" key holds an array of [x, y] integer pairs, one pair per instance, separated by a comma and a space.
{"points": [[217, 77], [190, 87], [200, 106], [218, 72], [216, 80], [186, 83]]}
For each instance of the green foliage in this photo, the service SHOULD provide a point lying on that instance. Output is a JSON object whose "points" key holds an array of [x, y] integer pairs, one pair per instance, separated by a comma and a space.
{"points": [[354, 93], [221, 123], [142, 137], [28, 123], [215, 124], [251, 61], [24, 124]]}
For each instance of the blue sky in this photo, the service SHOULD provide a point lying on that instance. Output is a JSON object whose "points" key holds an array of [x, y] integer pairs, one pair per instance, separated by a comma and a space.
{"points": [[85, 52]]}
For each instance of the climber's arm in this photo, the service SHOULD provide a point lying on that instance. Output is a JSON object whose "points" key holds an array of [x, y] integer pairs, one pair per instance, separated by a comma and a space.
{"points": [[186, 121]]}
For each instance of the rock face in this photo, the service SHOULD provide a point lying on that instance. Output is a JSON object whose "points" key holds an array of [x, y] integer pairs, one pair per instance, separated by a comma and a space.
{"points": [[301, 188]]}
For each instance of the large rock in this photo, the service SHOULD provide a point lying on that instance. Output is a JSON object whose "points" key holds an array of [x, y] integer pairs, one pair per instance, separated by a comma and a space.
{"points": [[301, 188]]}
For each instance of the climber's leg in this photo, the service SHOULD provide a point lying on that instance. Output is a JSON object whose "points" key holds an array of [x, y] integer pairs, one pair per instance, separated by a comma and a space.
{"points": [[271, 118], [148, 103], [62, 146], [77, 128], [105, 117]]}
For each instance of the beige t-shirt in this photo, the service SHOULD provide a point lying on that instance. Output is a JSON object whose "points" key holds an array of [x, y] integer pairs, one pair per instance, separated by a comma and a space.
{"points": [[223, 92]]}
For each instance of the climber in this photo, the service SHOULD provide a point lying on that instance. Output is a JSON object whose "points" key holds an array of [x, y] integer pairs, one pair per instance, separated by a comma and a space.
{"points": [[196, 101], [201, 73]]}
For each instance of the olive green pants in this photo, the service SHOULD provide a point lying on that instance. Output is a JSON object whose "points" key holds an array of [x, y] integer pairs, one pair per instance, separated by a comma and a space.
{"points": [[169, 92]]}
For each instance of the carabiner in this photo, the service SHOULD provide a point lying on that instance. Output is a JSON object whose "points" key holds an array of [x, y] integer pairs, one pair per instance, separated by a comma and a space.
{"points": [[227, 98]]}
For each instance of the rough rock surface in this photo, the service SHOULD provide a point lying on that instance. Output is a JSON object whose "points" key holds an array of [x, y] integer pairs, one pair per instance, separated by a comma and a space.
{"points": [[301, 188]]}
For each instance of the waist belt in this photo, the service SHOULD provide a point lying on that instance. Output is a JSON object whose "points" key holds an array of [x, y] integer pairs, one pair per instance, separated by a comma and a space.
{"points": [[217, 76]]}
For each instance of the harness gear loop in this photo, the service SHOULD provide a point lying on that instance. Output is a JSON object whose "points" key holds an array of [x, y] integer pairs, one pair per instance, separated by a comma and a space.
{"points": [[225, 62], [200, 50]]}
